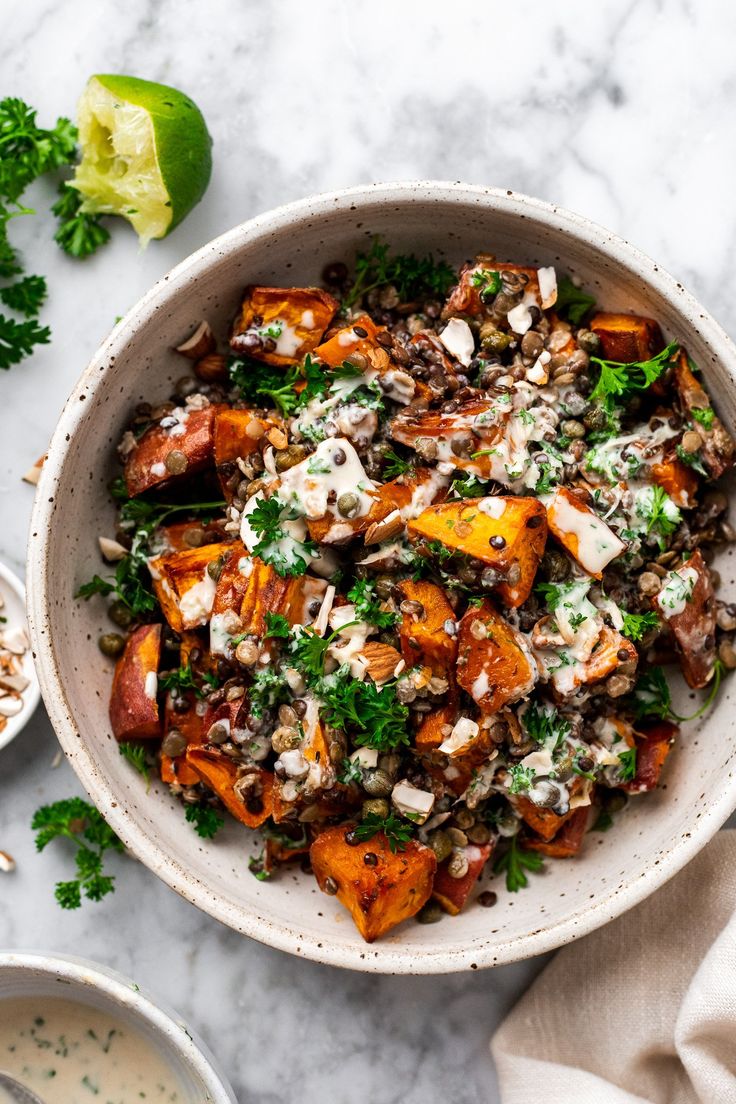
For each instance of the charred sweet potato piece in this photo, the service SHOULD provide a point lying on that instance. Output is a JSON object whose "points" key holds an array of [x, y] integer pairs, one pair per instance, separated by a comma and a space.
{"points": [[378, 897], [719, 449], [230, 586], [145, 466], [360, 337], [282, 325], [508, 534], [190, 724], [582, 532], [478, 422], [687, 604], [134, 713], [336, 530], [183, 586], [544, 822], [568, 841], [465, 297], [247, 796], [652, 748], [177, 537], [452, 893], [284, 850], [264, 593], [627, 337], [497, 668], [424, 638], [238, 433], [678, 480], [429, 735]]}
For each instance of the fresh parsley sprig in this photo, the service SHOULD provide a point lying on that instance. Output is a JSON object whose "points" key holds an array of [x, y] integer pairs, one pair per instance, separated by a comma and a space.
{"points": [[367, 606], [514, 861], [397, 832], [411, 276], [572, 302], [205, 820], [137, 757], [276, 546], [618, 381], [184, 679], [636, 625], [78, 233], [80, 822]]}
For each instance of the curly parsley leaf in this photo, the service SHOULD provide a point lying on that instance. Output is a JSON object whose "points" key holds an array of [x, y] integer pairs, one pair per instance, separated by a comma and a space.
{"points": [[78, 234], [692, 459], [411, 276], [521, 778], [375, 716], [205, 820], [397, 832], [546, 725], [636, 625], [184, 679], [19, 339], [80, 822], [276, 546], [488, 282], [395, 465], [618, 381], [277, 626], [514, 861], [572, 302], [367, 606], [704, 415], [627, 765], [136, 756], [651, 696], [26, 296]]}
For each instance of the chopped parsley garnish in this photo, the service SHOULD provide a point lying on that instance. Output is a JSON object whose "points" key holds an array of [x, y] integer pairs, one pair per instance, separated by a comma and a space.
{"points": [[136, 756], [396, 831], [375, 715], [350, 771], [80, 822], [465, 485], [488, 281], [521, 778], [547, 479], [572, 302], [514, 861], [627, 765], [205, 820], [413, 277], [277, 626], [286, 554], [367, 605], [183, 679], [651, 696], [704, 415], [636, 625], [267, 690], [618, 381], [544, 724], [256, 380], [395, 465], [692, 459], [655, 506]]}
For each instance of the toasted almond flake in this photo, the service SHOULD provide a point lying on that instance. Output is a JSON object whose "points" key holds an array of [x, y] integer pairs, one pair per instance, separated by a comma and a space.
{"points": [[33, 474], [15, 684], [384, 530], [56, 761], [321, 621], [381, 660], [278, 438], [14, 640], [111, 550], [200, 342], [7, 863]]}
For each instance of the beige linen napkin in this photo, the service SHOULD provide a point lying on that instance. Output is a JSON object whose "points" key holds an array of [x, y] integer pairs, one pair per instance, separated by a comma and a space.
{"points": [[642, 1011]]}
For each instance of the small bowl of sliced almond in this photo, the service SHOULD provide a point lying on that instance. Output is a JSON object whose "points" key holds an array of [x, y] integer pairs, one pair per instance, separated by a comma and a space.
{"points": [[19, 691]]}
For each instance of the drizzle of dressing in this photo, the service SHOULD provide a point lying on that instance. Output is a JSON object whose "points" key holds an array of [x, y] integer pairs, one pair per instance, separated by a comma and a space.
{"points": [[597, 545], [677, 591], [457, 337], [195, 605], [309, 485]]}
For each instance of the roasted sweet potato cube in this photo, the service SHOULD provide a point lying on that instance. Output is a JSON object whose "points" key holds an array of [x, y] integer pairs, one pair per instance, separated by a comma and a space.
{"points": [[134, 713], [190, 724], [627, 337], [719, 449], [229, 592], [248, 795], [686, 603], [238, 433], [508, 534], [425, 640], [184, 587], [678, 480], [282, 325], [465, 423], [193, 435], [652, 748], [429, 734], [336, 530], [544, 822], [582, 532], [497, 668], [465, 297], [264, 593], [452, 893], [567, 841], [378, 897], [360, 337]]}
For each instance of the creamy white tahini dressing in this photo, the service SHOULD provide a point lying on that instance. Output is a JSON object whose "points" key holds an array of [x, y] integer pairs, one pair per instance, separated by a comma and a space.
{"points": [[308, 486], [457, 337], [195, 605], [676, 592], [72, 1054], [597, 543]]}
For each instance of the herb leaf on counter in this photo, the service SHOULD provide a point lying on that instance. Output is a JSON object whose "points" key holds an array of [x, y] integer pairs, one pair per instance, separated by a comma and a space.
{"points": [[80, 822], [78, 233]]}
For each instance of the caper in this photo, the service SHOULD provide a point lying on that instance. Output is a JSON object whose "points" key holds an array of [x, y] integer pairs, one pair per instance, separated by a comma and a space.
{"points": [[288, 457], [377, 806], [111, 644], [176, 462], [588, 341], [555, 566], [348, 504], [214, 569], [573, 428], [440, 843], [120, 615], [430, 914], [595, 418], [174, 743]]}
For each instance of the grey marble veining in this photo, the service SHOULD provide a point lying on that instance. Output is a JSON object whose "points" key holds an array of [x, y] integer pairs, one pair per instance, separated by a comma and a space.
{"points": [[622, 111]]}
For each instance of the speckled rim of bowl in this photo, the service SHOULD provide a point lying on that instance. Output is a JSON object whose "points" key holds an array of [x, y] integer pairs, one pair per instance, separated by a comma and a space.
{"points": [[32, 694], [81, 973], [393, 958]]}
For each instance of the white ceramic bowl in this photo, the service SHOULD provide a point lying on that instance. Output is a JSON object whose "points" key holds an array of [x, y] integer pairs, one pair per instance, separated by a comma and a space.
{"points": [[14, 611], [656, 836], [26, 974]]}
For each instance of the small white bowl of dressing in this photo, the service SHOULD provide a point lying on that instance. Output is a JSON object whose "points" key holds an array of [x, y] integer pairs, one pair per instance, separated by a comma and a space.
{"points": [[19, 689], [71, 1030]]}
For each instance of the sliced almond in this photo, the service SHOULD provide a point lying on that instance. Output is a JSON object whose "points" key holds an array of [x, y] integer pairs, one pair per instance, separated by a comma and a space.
{"points": [[7, 862], [381, 660], [390, 527], [379, 358], [33, 474], [16, 684], [211, 368], [10, 706], [278, 438], [200, 342], [112, 550]]}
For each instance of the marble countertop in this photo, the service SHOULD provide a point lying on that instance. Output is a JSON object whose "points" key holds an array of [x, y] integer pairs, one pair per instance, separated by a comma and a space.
{"points": [[599, 107]]}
